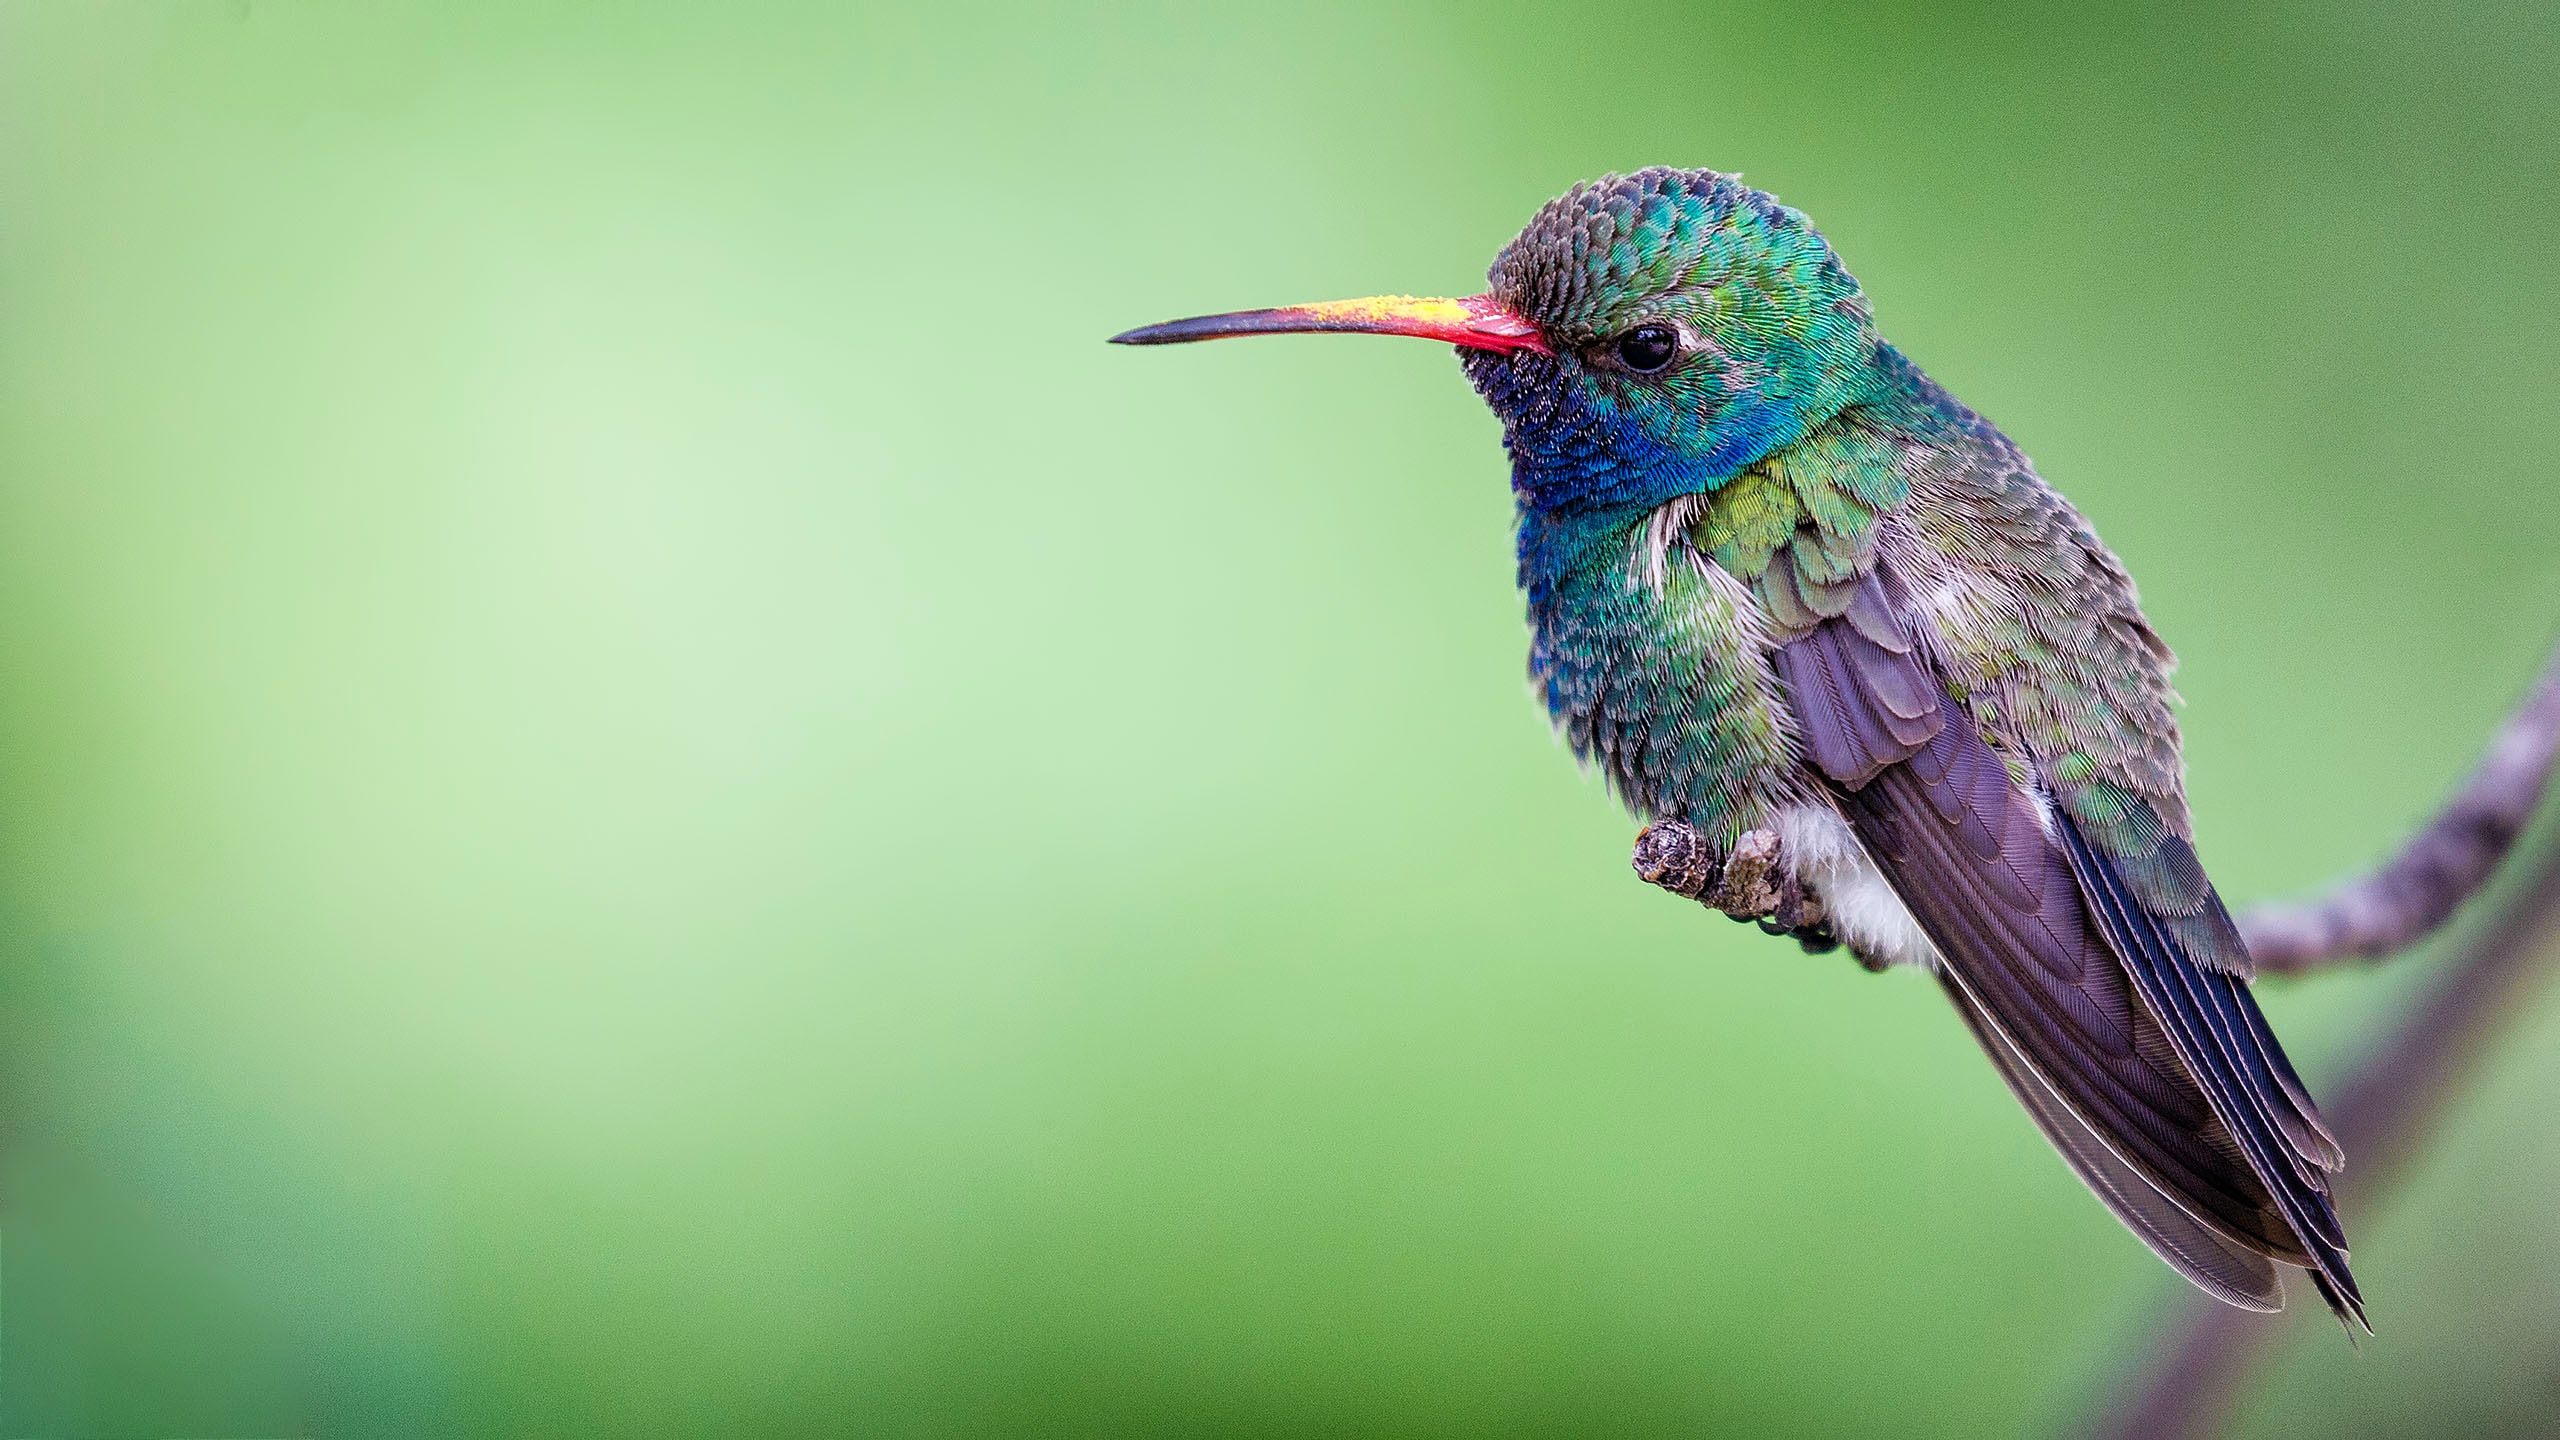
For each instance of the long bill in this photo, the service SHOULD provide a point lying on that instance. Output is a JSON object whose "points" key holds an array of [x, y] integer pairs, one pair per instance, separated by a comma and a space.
{"points": [[1478, 322]]}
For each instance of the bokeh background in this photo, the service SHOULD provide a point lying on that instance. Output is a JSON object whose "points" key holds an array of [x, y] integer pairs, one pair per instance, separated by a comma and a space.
{"points": [[642, 790]]}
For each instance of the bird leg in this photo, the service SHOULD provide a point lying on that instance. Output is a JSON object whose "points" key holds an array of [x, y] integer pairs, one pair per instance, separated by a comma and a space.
{"points": [[1749, 882], [1677, 856]]}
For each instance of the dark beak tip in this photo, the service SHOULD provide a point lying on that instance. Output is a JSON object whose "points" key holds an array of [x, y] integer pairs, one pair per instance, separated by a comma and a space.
{"points": [[1168, 332], [1176, 332]]}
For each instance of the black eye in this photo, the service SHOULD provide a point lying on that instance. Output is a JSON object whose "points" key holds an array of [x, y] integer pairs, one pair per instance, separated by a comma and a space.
{"points": [[1648, 348]]}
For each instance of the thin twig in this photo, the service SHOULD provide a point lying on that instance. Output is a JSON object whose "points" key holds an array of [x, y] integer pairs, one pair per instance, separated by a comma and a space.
{"points": [[2191, 1380], [2391, 909]]}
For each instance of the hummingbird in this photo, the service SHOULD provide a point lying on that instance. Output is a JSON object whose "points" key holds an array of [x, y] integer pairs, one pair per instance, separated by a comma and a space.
{"points": [[1813, 617]]}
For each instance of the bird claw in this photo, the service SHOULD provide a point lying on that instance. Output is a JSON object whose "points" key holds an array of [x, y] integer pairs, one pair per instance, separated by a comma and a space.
{"points": [[1745, 883]]}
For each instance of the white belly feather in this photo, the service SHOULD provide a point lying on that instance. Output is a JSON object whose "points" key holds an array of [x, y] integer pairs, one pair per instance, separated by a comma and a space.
{"points": [[1817, 846]]}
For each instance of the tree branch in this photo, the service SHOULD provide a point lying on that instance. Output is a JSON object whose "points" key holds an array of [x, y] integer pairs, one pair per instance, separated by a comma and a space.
{"points": [[2384, 913]]}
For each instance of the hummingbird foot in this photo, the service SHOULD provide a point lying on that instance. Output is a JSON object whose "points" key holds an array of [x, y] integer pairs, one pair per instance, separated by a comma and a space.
{"points": [[1750, 882]]}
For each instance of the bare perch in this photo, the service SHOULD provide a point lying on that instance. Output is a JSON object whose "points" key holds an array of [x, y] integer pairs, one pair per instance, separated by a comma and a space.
{"points": [[2396, 906]]}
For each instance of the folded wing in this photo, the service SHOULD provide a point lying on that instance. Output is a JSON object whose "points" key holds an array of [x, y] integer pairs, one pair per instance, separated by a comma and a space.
{"points": [[2154, 1076]]}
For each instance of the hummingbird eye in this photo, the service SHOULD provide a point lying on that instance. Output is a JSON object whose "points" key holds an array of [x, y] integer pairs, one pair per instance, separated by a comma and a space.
{"points": [[1648, 348]]}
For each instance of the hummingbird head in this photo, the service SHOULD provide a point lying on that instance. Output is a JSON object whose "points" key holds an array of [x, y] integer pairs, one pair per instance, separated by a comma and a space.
{"points": [[1646, 336]]}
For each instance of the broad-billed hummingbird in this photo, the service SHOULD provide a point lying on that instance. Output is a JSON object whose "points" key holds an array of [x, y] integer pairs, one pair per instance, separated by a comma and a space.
{"points": [[1805, 609]]}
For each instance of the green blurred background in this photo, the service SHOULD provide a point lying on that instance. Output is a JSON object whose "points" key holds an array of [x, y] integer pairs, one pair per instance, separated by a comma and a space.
{"points": [[641, 789]]}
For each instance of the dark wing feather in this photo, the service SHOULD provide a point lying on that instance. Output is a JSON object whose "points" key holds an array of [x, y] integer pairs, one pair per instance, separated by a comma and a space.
{"points": [[2215, 1023], [2224, 1268], [1963, 845]]}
